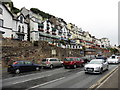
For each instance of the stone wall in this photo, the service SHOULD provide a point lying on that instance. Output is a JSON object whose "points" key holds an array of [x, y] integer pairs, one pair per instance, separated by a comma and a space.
{"points": [[23, 50]]}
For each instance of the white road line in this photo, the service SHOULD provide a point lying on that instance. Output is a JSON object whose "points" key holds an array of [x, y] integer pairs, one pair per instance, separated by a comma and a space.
{"points": [[105, 80], [33, 78], [30, 79], [30, 74], [79, 72], [45, 83]]}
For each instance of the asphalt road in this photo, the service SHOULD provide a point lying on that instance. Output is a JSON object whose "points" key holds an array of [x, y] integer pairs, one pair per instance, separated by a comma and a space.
{"points": [[56, 78]]}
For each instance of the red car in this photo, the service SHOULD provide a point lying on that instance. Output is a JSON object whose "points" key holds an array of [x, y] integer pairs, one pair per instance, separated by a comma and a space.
{"points": [[73, 62]]}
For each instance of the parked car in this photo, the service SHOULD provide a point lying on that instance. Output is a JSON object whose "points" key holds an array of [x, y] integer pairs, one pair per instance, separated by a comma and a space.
{"points": [[96, 66], [51, 62], [101, 57], [73, 62], [22, 66], [86, 59], [114, 59]]}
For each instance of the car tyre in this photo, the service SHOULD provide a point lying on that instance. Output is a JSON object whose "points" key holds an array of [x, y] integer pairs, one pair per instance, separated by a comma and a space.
{"points": [[17, 71], [74, 66], [37, 68], [51, 66], [107, 68], [82, 65], [86, 72], [65, 67], [101, 71]]}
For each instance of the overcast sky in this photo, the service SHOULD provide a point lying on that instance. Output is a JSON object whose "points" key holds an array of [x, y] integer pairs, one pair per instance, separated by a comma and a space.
{"points": [[98, 17]]}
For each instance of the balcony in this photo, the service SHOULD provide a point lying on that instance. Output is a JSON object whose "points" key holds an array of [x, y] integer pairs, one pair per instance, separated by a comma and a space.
{"points": [[53, 33], [53, 29], [41, 30], [48, 32]]}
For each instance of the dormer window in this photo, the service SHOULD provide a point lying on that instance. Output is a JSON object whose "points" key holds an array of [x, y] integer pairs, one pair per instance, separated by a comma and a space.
{"points": [[21, 19], [1, 11]]}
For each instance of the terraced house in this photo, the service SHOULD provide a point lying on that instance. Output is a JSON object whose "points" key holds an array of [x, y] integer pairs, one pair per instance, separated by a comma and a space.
{"points": [[35, 25]]}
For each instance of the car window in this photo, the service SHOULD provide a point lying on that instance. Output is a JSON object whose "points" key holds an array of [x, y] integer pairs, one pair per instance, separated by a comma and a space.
{"points": [[27, 62], [69, 59], [18, 62], [53, 59], [78, 59], [113, 57], [96, 62]]}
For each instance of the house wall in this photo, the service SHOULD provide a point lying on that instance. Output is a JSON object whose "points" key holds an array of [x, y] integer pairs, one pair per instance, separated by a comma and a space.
{"points": [[7, 22]]}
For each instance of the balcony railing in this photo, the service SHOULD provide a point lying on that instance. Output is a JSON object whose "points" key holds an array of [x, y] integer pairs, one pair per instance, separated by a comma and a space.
{"points": [[53, 29], [41, 30], [53, 33]]}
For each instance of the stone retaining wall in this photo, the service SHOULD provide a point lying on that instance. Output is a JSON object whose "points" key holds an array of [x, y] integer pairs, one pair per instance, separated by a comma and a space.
{"points": [[24, 50]]}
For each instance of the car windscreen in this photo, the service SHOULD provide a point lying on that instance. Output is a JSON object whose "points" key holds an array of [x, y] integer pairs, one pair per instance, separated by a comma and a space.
{"points": [[68, 59], [95, 62], [113, 57]]}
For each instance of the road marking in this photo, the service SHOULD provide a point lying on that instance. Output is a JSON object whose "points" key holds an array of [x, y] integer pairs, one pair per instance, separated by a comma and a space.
{"points": [[45, 83], [79, 72], [102, 79], [31, 79], [106, 79], [29, 75]]}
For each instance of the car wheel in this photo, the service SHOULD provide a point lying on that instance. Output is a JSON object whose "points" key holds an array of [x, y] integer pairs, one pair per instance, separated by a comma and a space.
{"points": [[37, 68], [17, 71], [86, 72], [51, 66], [65, 67], [107, 67], [74, 66], [101, 71], [82, 65]]}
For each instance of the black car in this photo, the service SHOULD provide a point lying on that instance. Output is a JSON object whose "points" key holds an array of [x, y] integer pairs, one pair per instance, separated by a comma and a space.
{"points": [[23, 66]]}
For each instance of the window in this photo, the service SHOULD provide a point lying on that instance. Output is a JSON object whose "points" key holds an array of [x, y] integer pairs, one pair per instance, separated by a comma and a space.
{"points": [[28, 63], [22, 29], [19, 28], [21, 19], [1, 10], [1, 23], [53, 60]]}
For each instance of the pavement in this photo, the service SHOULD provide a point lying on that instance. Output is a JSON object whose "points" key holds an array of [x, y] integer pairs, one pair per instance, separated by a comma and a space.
{"points": [[110, 81]]}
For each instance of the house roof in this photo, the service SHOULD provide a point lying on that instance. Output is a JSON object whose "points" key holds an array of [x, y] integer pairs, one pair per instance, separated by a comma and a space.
{"points": [[7, 9]]}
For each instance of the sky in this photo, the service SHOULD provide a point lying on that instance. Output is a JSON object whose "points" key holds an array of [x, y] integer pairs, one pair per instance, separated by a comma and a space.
{"points": [[98, 17]]}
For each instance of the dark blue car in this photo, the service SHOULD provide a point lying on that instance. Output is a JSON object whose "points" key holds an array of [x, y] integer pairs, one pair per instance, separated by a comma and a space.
{"points": [[23, 66]]}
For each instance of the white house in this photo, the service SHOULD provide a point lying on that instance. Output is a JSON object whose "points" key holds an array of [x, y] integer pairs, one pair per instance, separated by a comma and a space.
{"points": [[6, 21], [13, 26]]}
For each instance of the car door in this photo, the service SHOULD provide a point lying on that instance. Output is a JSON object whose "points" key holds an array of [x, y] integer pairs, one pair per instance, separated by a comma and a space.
{"points": [[59, 62], [29, 66]]}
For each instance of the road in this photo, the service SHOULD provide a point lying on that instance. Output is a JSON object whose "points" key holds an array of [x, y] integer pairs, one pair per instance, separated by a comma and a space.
{"points": [[56, 78]]}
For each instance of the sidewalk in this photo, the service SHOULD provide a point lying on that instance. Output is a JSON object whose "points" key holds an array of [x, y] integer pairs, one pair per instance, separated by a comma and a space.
{"points": [[113, 82]]}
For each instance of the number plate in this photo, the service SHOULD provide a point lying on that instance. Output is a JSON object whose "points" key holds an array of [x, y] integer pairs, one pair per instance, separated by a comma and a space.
{"points": [[90, 70]]}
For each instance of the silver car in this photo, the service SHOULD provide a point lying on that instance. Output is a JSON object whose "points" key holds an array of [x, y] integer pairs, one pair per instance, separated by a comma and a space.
{"points": [[96, 66], [51, 62]]}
